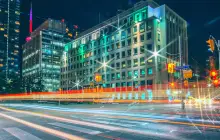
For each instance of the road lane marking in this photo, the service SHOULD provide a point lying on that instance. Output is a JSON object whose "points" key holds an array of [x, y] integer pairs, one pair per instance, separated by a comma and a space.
{"points": [[107, 127], [43, 129], [110, 123], [76, 128], [21, 134]]}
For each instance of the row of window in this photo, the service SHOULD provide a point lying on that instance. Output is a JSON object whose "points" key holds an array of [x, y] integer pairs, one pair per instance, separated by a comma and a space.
{"points": [[117, 45], [118, 76], [118, 65], [123, 54], [123, 84]]}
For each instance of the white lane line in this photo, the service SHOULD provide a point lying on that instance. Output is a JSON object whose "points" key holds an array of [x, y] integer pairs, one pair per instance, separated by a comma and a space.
{"points": [[21, 134], [76, 128], [110, 123]]}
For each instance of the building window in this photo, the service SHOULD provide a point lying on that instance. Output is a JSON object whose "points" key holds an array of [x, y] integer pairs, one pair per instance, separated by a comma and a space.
{"points": [[136, 73], [142, 38], [142, 72], [135, 40], [123, 54], [134, 29], [149, 82], [142, 61], [107, 57], [149, 47], [150, 61], [123, 44], [129, 42], [158, 37], [142, 49], [135, 51], [137, 17], [118, 65], [118, 55], [129, 52], [113, 76], [123, 34], [149, 36], [128, 31], [118, 76], [129, 74], [142, 83], [123, 75], [142, 27], [129, 63], [113, 46], [112, 56], [150, 71], [123, 64], [118, 45], [112, 65], [135, 62]]}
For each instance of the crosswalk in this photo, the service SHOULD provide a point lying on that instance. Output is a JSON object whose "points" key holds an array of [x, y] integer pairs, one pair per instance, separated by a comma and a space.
{"points": [[14, 133]]}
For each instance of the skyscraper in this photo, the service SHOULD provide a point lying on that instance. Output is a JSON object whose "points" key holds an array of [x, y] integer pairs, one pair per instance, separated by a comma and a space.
{"points": [[9, 40], [41, 56]]}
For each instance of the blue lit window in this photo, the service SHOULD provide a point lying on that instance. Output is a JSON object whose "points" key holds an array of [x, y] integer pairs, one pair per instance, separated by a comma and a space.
{"points": [[150, 71]]}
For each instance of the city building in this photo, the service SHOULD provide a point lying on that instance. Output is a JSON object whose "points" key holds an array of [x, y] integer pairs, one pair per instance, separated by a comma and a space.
{"points": [[9, 40], [41, 56], [128, 50]]}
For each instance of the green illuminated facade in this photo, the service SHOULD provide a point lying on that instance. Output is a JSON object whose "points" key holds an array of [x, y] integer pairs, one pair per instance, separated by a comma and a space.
{"points": [[42, 55], [122, 49]]}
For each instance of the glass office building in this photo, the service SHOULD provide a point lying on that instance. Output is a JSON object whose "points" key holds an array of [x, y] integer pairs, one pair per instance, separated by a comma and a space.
{"points": [[128, 50], [42, 55], [9, 40]]}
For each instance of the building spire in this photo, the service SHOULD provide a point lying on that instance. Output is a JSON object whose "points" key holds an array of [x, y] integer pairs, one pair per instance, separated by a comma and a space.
{"points": [[31, 20]]}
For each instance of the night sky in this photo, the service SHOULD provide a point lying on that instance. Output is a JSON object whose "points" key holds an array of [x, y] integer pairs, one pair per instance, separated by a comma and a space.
{"points": [[203, 17]]}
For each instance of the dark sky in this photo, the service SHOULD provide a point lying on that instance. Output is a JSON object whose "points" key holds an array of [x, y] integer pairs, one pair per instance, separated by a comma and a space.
{"points": [[203, 17]]}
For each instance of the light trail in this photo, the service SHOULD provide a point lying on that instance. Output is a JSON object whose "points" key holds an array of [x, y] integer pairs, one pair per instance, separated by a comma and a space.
{"points": [[158, 118], [107, 127], [43, 129]]}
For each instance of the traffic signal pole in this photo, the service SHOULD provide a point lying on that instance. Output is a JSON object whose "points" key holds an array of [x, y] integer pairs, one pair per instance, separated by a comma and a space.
{"points": [[181, 74], [218, 46]]}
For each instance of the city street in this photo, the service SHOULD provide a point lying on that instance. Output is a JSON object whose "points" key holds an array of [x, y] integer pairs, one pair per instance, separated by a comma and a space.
{"points": [[108, 121]]}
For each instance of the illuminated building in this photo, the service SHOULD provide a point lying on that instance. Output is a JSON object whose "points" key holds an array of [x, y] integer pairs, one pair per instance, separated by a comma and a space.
{"points": [[9, 40], [130, 49], [41, 56]]}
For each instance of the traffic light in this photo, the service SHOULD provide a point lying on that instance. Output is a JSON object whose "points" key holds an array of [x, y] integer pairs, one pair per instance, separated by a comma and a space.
{"points": [[213, 74], [211, 44], [172, 85], [186, 83], [171, 68], [216, 83]]}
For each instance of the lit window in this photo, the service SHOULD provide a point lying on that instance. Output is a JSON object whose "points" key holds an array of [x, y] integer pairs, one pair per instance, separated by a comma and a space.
{"points": [[118, 75], [142, 72], [142, 61], [135, 62], [136, 73], [150, 71], [17, 22]]}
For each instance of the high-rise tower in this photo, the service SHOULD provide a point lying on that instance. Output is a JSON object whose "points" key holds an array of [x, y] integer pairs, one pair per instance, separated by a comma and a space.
{"points": [[9, 41]]}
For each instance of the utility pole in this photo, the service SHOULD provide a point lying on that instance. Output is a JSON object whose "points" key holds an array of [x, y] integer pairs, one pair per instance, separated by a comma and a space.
{"points": [[181, 73]]}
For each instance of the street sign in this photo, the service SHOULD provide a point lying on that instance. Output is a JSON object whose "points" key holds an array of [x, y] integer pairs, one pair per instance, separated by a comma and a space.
{"points": [[187, 74], [182, 67]]}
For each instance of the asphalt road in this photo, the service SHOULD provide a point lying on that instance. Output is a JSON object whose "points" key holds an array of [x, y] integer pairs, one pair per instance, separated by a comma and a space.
{"points": [[107, 121]]}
